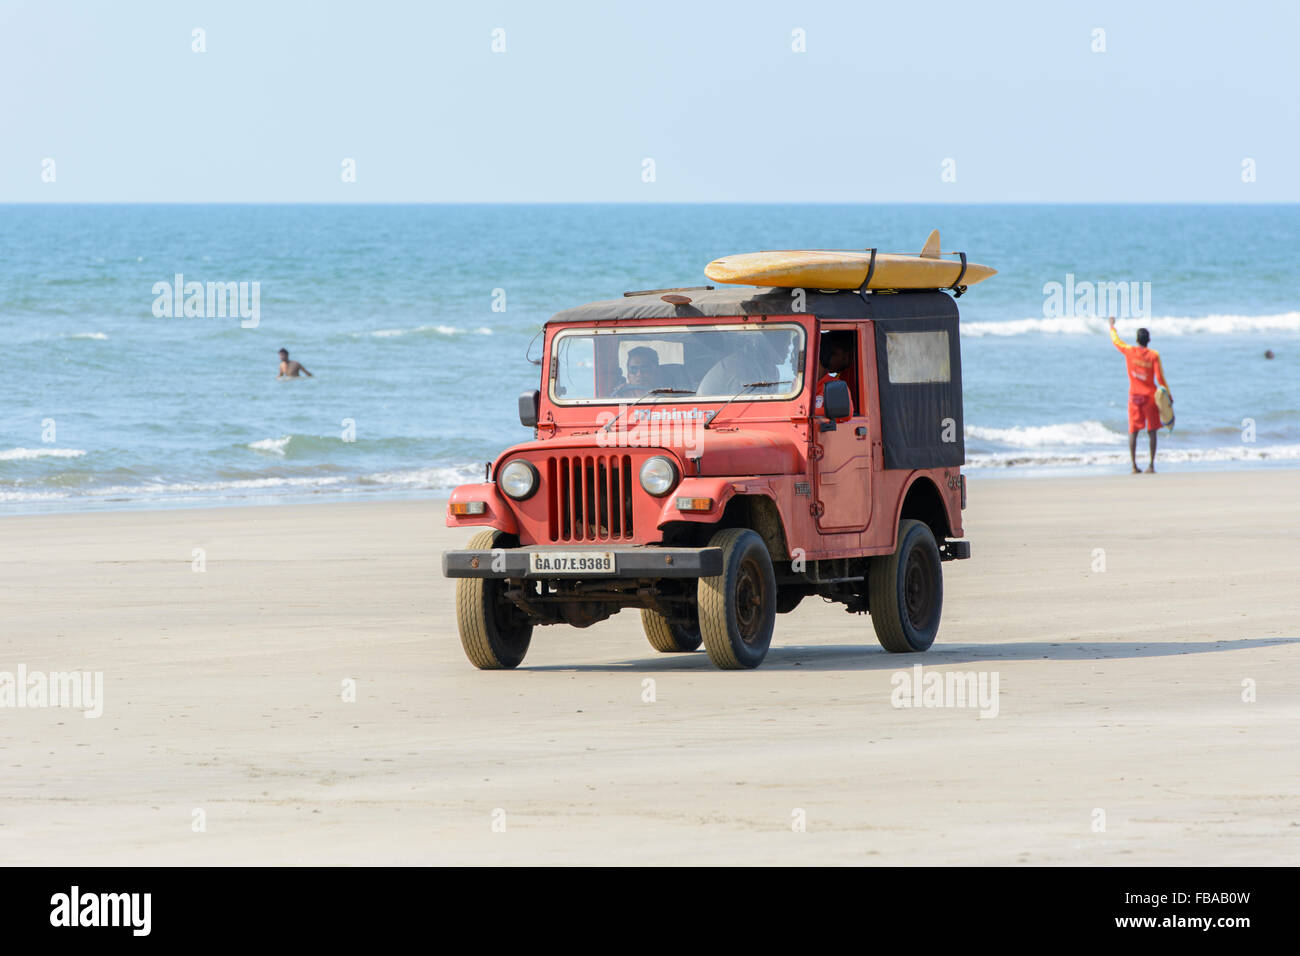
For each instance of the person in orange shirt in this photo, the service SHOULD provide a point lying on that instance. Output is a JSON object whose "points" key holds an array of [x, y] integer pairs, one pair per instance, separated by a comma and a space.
{"points": [[834, 358], [1144, 371]]}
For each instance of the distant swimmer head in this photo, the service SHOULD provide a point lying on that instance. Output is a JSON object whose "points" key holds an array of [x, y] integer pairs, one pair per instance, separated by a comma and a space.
{"points": [[284, 353], [1268, 353], [1143, 337]]}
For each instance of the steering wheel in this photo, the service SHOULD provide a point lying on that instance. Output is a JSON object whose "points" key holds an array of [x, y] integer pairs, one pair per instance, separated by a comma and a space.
{"points": [[628, 390]]}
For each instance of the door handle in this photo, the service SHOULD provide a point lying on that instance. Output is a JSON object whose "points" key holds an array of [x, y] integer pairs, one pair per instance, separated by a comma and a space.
{"points": [[860, 431]]}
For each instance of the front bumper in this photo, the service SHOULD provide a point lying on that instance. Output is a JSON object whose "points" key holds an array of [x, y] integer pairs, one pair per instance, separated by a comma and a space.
{"points": [[629, 562], [954, 550]]}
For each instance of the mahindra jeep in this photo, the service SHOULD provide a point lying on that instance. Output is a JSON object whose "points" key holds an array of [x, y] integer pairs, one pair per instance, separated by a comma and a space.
{"points": [[691, 459]]}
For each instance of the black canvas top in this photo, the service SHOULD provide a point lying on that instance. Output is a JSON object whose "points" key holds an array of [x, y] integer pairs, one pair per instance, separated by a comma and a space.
{"points": [[921, 422], [748, 300]]}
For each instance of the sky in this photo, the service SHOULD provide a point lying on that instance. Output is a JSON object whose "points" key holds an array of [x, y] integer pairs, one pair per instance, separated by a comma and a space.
{"points": [[729, 102]]}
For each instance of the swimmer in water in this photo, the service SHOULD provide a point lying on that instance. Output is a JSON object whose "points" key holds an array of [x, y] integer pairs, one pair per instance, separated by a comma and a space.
{"points": [[290, 369]]}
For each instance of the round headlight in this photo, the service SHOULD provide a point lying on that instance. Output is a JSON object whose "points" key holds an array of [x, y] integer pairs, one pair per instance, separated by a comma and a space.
{"points": [[518, 479], [658, 475]]}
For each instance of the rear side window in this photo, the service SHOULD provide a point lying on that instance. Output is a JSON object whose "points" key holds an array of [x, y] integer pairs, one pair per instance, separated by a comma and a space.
{"points": [[918, 357]]}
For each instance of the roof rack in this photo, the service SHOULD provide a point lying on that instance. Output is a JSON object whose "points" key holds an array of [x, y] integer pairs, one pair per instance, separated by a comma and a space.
{"points": [[681, 288]]}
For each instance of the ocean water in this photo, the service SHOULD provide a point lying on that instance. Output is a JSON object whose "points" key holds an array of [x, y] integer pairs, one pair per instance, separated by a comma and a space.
{"points": [[416, 321]]}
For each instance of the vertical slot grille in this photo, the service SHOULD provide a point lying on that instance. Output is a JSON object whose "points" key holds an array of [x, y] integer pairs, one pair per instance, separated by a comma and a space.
{"points": [[590, 497]]}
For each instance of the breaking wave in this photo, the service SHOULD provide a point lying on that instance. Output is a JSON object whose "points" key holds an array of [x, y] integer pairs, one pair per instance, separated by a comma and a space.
{"points": [[1041, 436], [1066, 459], [23, 454], [444, 331], [437, 479], [1159, 326], [273, 445]]}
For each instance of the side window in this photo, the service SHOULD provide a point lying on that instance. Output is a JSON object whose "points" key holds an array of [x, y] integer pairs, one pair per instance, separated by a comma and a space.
{"points": [[839, 353], [918, 357]]}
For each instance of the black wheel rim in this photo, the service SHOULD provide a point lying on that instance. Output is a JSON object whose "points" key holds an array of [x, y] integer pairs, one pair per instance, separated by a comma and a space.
{"points": [[920, 589], [749, 600]]}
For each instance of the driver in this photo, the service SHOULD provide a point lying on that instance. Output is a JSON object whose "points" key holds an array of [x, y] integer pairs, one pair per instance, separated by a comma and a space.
{"points": [[835, 360], [642, 371]]}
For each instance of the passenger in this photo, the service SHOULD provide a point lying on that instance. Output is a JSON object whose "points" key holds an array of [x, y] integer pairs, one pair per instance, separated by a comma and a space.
{"points": [[1144, 370], [642, 372], [834, 359]]}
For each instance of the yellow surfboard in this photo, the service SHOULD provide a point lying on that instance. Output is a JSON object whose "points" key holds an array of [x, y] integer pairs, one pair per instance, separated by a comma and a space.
{"points": [[845, 269], [1165, 405]]}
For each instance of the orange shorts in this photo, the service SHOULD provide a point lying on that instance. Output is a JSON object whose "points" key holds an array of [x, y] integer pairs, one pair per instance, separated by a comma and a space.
{"points": [[1143, 413]]}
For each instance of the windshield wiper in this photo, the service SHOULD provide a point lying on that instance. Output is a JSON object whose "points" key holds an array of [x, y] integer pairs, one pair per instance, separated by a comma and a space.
{"points": [[743, 389], [653, 391]]}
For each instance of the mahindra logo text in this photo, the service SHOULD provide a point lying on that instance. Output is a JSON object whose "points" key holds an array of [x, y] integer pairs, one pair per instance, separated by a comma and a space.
{"points": [[653, 428]]}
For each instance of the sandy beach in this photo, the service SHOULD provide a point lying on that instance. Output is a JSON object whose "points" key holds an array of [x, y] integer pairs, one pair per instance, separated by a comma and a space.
{"points": [[225, 737]]}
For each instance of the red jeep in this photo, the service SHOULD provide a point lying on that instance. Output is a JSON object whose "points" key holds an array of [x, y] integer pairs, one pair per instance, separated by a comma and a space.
{"points": [[689, 459]]}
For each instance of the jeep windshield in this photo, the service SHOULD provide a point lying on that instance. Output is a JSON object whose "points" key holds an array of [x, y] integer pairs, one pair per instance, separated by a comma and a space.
{"points": [[709, 363]]}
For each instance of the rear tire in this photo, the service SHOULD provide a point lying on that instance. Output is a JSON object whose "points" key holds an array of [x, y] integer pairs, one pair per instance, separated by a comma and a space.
{"points": [[666, 637], [905, 590], [738, 606], [494, 633]]}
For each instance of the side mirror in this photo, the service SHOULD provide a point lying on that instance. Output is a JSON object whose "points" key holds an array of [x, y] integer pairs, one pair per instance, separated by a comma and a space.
{"points": [[529, 403], [836, 401]]}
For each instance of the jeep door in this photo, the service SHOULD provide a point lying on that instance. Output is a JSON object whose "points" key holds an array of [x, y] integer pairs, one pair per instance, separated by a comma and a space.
{"points": [[841, 459]]}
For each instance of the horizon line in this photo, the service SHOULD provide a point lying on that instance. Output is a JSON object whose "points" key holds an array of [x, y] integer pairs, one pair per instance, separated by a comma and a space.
{"points": [[639, 202]]}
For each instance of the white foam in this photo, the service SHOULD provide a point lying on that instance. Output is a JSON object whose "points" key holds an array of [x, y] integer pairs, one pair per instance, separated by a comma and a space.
{"points": [[448, 330], [274, 445], [1227, 453], [434, 479], [154, 489], [23, 454], [444, 477], [1159, 325], [99, 336], [19, 496], [1047, 436]]}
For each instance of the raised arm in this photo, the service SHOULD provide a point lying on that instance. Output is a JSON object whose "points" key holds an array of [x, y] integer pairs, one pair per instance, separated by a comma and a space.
{"points": [[1114, 337]]}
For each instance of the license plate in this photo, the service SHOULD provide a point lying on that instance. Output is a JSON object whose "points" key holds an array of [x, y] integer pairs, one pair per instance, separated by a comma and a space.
{"points": [[571, 562]]}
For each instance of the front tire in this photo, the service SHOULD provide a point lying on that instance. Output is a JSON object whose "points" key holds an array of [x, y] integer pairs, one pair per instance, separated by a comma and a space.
{"points": [[494, 633], [667, 637], [738, 606], [905, 590]]}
